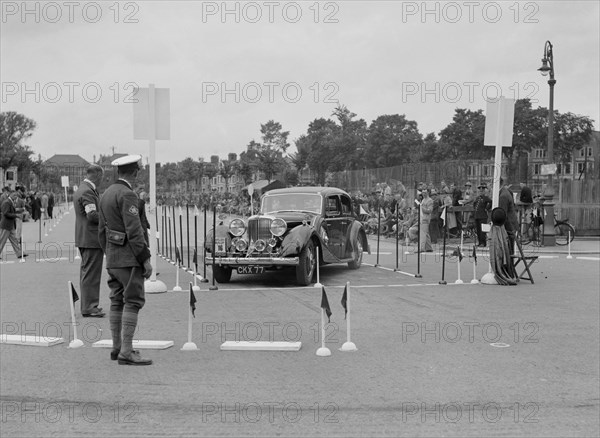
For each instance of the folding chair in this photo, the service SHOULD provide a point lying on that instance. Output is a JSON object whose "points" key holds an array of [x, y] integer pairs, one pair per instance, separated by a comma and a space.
{"points": [[527, 260]]}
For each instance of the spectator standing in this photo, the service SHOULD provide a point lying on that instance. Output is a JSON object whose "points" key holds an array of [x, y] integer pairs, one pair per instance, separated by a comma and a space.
{"points": [[483, 206], [8, 225], [85, 204], [50, 204], [506, 202]]}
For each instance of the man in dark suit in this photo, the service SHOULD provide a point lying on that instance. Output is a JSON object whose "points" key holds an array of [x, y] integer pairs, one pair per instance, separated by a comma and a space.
{"points": [[8, 224], [507, 203], [85, 203], [127, 259]]}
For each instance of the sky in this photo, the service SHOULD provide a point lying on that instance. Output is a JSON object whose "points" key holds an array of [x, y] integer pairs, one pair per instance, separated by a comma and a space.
{"points": [[232, 66]]}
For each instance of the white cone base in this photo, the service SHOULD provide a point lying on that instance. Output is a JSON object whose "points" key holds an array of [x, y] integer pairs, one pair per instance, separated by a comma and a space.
{"points": [[78, 258], [196, 288], [189, 346], [348, 346], [318, 285], [459, 281], [474, 281], [569, 257], [35, 341], [488, 279], [154, 287], [177, 289], [22, 260], [76, 343], [323, 351]]}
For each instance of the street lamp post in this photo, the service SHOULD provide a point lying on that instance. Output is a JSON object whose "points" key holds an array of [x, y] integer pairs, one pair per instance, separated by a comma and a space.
{"points": [[548, 237]]}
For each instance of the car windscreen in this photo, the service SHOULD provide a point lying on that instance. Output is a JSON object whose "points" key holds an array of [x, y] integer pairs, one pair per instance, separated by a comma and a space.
{"points": [[291, 202]]}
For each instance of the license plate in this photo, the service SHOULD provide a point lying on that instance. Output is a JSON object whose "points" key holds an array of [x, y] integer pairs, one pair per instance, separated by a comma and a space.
{"points": [[250, 269], [220, 246]]}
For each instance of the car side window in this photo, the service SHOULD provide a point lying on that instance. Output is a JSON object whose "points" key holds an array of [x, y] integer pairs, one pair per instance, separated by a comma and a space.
{"points": [[346, 206], [333, 208]]}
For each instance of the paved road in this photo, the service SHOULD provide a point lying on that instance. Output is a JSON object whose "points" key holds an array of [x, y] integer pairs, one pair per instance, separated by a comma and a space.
{"points": [[425, 365]]}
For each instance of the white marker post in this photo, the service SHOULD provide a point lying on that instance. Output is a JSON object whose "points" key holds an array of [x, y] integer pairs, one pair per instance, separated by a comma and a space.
{"points": [[75, 343], [65, 183], [251, 192], [499, 120], [189, 345], [318, 283], [462, 234], [348, 345], [323, 351], [569, 256], [151, 121]]}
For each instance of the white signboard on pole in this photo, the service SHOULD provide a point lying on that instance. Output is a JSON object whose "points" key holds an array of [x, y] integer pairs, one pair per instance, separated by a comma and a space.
{"points": [[499, 121], [142, 110], [495, 119], [64, 181]]}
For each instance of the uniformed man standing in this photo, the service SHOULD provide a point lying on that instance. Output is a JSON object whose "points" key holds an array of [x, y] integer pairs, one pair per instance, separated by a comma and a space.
{"points": [[127, 259], [85, 202]]}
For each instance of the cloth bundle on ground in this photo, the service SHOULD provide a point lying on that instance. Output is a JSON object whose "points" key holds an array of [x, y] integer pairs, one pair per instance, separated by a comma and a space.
{"points": [[501, 261]]}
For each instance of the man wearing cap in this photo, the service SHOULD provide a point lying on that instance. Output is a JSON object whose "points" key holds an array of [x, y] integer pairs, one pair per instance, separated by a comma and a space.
{"points": [[8, 224], [127, 259], [506, 201], [482, 206], [85, 202]]}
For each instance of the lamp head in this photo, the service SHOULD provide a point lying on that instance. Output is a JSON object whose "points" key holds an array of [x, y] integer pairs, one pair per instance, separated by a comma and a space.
{"points": [[544, 69]]}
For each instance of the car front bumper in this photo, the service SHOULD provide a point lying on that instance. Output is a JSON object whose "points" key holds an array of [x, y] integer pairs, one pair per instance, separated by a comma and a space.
{"points": [[254, 261]]}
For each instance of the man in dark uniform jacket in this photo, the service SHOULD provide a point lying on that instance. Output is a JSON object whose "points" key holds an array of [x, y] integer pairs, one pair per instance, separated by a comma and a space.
{"points": [[8, 224], [127, 259], [482, 206], [85, 202], [507, 203]]}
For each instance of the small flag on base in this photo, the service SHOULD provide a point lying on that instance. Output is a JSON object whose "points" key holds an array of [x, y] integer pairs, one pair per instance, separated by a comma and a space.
{"points": [[348, 345], [325, 309], [177, 288], [460, 257], [73, 298], [189, 345], [474, 280]]}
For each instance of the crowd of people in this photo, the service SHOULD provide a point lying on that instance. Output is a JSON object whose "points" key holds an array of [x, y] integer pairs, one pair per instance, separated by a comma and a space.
{"points": [[390, 208]]}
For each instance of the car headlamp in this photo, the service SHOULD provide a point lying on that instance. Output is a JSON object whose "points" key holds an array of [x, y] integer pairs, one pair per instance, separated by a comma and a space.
{"points": [[278, 227], [237, 227]]}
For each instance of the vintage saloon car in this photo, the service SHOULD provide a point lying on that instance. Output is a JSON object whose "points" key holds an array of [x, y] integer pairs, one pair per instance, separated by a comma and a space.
{"points": [[291, 224]]}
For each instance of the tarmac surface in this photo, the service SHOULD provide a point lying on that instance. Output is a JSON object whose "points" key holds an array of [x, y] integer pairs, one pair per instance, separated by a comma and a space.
{"points": [[432, 360]]}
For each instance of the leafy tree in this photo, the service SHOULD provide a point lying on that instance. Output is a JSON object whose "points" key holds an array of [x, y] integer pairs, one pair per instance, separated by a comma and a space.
{"points": [[350, 140], [390, 141], [15, 128], [189, 170], [319, 141], [227, 170], [463, 138], [571, 133], [273, 137]]}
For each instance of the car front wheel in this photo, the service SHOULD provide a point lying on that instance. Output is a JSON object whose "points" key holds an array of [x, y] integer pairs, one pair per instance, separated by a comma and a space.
{"points": [[306, 266]]}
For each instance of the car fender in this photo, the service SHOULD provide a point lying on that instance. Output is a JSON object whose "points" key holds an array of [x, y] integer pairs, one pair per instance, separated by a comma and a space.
{"points": [[295, 240], [222, 231], [358, 232]]}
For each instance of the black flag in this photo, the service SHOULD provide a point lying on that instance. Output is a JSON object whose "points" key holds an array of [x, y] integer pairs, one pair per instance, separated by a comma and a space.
{"points": [[192, 301], [460, 256], [345, 301], [195, 259], [177, 256], [474, 254], [325, 305], [74, 294]]}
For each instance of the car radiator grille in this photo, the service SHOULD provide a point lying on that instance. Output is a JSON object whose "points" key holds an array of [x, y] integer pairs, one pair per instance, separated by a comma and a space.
{"points": [[259, 229]]}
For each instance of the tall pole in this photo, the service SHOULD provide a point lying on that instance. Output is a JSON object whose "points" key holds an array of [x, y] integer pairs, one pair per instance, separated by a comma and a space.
{"points": [[548, 236]]}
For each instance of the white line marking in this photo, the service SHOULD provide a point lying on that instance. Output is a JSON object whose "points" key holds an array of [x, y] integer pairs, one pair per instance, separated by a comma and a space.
{"points": [[588, 258], [547, 257]]}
